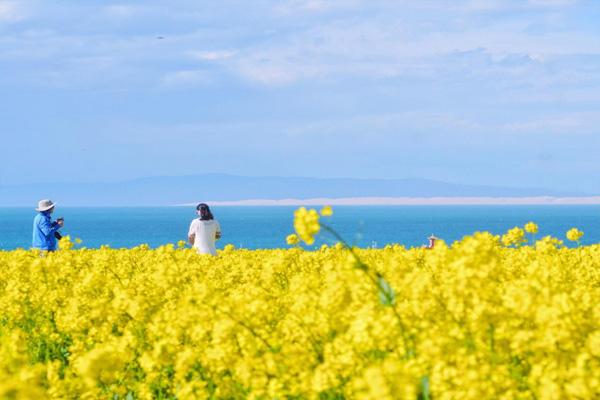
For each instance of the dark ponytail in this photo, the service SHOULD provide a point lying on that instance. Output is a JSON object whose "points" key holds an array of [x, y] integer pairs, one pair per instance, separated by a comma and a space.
{"points": [[205, 214]]}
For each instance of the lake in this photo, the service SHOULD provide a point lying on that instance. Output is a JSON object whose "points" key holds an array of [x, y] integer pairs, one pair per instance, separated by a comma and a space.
{"points": [[267, 227]]}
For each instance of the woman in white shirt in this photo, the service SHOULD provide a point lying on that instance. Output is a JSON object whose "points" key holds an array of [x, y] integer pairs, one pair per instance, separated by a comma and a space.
{"points": [[204, 231]]}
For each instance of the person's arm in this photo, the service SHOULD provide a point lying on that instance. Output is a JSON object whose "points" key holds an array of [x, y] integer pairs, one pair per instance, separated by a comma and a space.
{"points": [[48, 228], [192, 233]]}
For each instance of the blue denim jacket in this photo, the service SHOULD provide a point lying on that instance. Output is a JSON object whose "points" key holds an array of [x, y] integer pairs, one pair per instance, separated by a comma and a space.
{"points": [[43, 232]]}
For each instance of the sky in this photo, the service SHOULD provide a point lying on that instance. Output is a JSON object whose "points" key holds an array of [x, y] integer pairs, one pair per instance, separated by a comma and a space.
{"points": [[495, 92]]}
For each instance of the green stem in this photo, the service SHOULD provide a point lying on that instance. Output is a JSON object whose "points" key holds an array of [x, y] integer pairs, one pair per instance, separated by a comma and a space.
{"points": [[377, 282]]}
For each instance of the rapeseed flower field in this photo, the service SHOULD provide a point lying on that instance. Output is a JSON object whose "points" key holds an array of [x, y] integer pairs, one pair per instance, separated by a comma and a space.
{"points": [[487, 317]]}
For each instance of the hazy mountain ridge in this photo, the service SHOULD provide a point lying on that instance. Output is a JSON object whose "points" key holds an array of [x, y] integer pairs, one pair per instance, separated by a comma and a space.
{"points": [[222, 187]]}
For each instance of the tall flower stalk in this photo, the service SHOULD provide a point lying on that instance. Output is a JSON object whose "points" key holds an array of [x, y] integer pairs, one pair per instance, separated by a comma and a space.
{"points": [[307, 224]]}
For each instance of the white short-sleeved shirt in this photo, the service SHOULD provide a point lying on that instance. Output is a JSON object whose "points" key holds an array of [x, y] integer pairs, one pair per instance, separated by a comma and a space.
{"points": [[205, 235]]}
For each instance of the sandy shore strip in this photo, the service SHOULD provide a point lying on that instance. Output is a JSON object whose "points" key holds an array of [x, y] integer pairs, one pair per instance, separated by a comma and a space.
{"points": [[411, 201]]}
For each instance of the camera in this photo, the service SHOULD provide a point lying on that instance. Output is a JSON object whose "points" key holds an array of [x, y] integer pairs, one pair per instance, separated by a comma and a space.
{"points": [[57, 234]]}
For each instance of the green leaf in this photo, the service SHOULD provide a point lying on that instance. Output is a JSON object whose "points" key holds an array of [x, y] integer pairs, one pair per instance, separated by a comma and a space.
{"points": [[387, 296], [424, 393]]}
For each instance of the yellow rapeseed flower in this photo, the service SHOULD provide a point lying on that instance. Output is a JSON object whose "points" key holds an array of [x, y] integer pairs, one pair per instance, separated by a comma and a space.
{"points": [[471, 320], [292, 239], [65, 243], [514, 237], [306, 224], [327, 211], [574, 235], [531, 227]]}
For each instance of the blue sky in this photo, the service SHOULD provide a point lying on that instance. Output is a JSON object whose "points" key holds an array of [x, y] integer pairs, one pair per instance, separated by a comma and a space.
{"points": [[496, 92]]}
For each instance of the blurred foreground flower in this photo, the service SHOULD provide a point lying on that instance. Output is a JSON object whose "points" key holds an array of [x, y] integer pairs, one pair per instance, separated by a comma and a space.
{"points": [[306, 224]]}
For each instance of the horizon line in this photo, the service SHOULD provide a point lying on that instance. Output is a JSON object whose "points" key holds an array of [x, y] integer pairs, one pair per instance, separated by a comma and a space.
{"points": [[408, 201], [364, 201]]}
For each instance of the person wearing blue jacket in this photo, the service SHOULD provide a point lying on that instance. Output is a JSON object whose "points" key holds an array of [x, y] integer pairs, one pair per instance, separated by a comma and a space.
{"points": [[44, 229]]}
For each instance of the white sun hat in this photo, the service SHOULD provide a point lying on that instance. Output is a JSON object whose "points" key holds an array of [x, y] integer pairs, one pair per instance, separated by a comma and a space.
{"points": [[45, 205]]}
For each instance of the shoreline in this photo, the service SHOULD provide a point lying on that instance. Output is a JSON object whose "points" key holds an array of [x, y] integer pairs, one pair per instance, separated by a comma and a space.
{"points": [[408, 201]]}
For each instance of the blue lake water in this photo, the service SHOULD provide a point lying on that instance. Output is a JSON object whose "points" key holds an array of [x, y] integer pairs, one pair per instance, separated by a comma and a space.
{"points": [[267, 227]]}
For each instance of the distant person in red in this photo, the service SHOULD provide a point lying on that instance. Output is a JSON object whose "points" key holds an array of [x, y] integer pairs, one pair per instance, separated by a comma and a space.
{"points": [[431, 244], [45, 231]]}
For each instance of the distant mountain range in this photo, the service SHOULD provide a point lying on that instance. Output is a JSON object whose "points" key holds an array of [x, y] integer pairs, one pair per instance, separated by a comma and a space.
{"points": [[174, 190]]}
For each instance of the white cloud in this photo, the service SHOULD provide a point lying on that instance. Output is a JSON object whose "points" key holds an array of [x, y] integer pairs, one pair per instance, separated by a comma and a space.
{"points": [[565, 124], [187, 78], [212, 55], [291, 7], [484, 5], [502, 5], [120, 10], [553, 3], [394, 39], [10, 11], [428, 124], [387, 46]]}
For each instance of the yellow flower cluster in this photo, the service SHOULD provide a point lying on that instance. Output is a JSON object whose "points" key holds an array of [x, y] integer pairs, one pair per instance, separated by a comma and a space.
{"points": [[292, 239], [574, 234], [514, 237], [531, 227], [475, 320], [306, 224], [327, 211]]}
